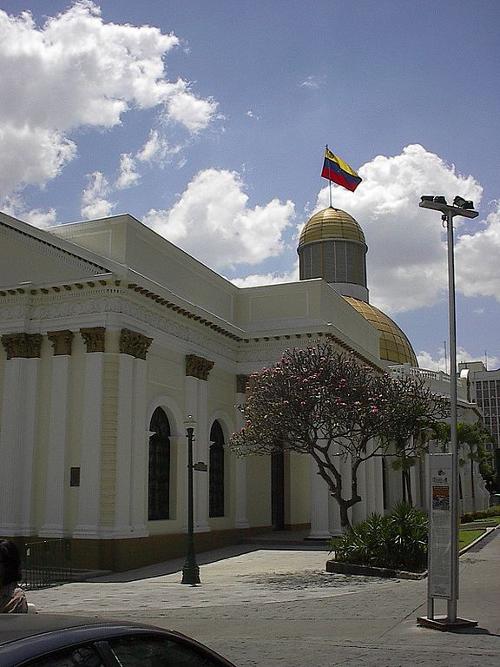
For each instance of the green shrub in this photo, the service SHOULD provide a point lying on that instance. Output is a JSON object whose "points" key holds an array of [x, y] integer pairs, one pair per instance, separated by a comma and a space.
{"points": [[396, 541], [483, 514]]}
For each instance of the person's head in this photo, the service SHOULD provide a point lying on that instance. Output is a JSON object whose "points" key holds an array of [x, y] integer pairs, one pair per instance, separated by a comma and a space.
{"points": [[10, 563]]}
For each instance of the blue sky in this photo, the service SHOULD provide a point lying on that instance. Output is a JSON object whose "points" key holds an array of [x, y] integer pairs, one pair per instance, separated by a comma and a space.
{"points": [[210, 127]]}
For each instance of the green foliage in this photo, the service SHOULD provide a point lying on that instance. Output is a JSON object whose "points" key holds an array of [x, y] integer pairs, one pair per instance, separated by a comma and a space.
{"points": [[483, 514], [396, 541]]}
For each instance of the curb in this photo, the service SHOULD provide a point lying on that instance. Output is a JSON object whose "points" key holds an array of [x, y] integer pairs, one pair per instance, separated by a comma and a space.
{"points": [[487, 533], [370, 571]]}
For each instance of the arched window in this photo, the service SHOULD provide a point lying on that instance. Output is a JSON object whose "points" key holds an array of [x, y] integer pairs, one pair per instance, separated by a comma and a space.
{"points": [[216, 471], [159, 467]]}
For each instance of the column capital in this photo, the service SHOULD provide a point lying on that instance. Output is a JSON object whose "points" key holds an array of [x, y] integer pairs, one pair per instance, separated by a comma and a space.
{"points": [[134, 343], [61, 341], [241, 384], [93, 338], [27, 346], [198, 367]]}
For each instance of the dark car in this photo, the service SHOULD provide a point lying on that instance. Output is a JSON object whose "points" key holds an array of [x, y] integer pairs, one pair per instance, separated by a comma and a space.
{"points": [[47, 640]]}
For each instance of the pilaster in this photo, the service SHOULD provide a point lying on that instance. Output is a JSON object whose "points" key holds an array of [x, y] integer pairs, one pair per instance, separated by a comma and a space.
{"points": [[17, 435], [240, 491], [132, 437], [140, 449], [55, 496], [88, 522], [320, 501]]}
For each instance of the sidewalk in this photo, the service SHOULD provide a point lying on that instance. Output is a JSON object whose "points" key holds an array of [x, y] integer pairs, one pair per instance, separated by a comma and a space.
{"points": [[278, 607]]}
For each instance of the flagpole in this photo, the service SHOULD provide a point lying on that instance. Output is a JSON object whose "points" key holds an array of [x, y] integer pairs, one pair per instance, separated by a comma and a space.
{"points": [[330, 185]]}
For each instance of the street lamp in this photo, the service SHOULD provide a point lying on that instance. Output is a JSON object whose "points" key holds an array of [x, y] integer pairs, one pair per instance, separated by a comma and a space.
{"points": [[190, 570], [464, 208]]}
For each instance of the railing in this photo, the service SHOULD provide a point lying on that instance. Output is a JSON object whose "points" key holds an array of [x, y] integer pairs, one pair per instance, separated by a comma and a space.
{"points": [[46, 563], [438, 381]]}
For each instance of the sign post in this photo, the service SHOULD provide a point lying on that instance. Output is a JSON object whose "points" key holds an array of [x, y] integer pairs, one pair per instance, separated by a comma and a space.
{"points": [[442, 581]]}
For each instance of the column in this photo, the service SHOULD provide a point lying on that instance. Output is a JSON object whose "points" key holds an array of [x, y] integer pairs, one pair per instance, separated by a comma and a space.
{"points": [[197, 371], [17, 436], [140, 452], [240, 509], [132, 436], [53, 523], [89, 502], [346, 472], [320, 501], [370, 488], [378, 485], [359, 509]]}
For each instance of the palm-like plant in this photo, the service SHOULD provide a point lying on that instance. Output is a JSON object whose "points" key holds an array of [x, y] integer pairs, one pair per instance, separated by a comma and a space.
{"points": [[397, 541]]}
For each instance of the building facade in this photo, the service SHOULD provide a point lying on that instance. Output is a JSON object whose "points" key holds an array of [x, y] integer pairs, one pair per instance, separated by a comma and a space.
{"points": [[111, 336]]}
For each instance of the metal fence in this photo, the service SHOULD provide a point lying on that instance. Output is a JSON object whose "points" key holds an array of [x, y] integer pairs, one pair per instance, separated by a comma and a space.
{"points": [[46, 563]]}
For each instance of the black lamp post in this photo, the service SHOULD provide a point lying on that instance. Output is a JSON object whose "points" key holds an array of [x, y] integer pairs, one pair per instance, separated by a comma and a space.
{"points": [[190, 570]]}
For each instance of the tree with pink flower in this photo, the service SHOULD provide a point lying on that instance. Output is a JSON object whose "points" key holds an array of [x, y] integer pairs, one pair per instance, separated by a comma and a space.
{"points": [[330, 406]]}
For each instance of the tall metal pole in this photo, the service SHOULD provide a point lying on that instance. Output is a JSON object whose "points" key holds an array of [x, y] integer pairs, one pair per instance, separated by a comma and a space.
{"points": [[438, 548], [452, 602], [190, 571]]}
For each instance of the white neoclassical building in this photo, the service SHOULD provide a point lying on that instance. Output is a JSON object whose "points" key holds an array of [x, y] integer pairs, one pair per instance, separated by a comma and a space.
{"points": [[111, 336]]}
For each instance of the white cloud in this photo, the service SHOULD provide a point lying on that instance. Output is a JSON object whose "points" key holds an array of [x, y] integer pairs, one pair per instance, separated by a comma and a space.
{"points": [[94, 202], [407, 247], [212, 221], [14, 205], [442, 363], [476, 255], [30, 154], [253, 115], [39, 218], [128, 176], [76, 70], [258, 279], [193, 112], [154, 149], [313, 82]]}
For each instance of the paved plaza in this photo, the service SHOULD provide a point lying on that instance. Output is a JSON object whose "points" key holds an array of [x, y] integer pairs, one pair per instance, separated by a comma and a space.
{"points": [[277, 606]]}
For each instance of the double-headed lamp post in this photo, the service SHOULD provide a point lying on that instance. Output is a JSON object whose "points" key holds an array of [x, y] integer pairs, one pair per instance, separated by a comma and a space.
{"points": [[464, 208], [190, 570]]}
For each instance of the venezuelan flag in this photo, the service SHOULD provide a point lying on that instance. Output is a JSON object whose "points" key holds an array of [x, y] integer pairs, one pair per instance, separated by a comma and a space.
{"points": [[338, 171]]}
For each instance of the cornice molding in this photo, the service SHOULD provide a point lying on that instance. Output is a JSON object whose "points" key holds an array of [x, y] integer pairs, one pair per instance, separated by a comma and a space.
{"points": [[94, 338], [198, 367], [134, 343], [22, 345], [114, 300], [61, 341]]}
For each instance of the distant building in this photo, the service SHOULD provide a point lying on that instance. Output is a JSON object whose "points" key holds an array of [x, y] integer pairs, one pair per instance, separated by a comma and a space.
{"points": [[484, 389]]}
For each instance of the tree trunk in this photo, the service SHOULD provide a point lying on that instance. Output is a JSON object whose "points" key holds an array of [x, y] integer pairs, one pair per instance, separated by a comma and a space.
{"points": [[344, 515], [407, 486], [472, 489]]}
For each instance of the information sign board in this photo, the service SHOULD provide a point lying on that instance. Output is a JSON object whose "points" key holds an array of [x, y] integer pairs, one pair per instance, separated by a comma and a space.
{"points": [[440, 566]]}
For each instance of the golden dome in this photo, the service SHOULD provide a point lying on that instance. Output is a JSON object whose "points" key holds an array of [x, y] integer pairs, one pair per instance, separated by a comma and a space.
{"points": [[331, 223], [394, 345]]}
